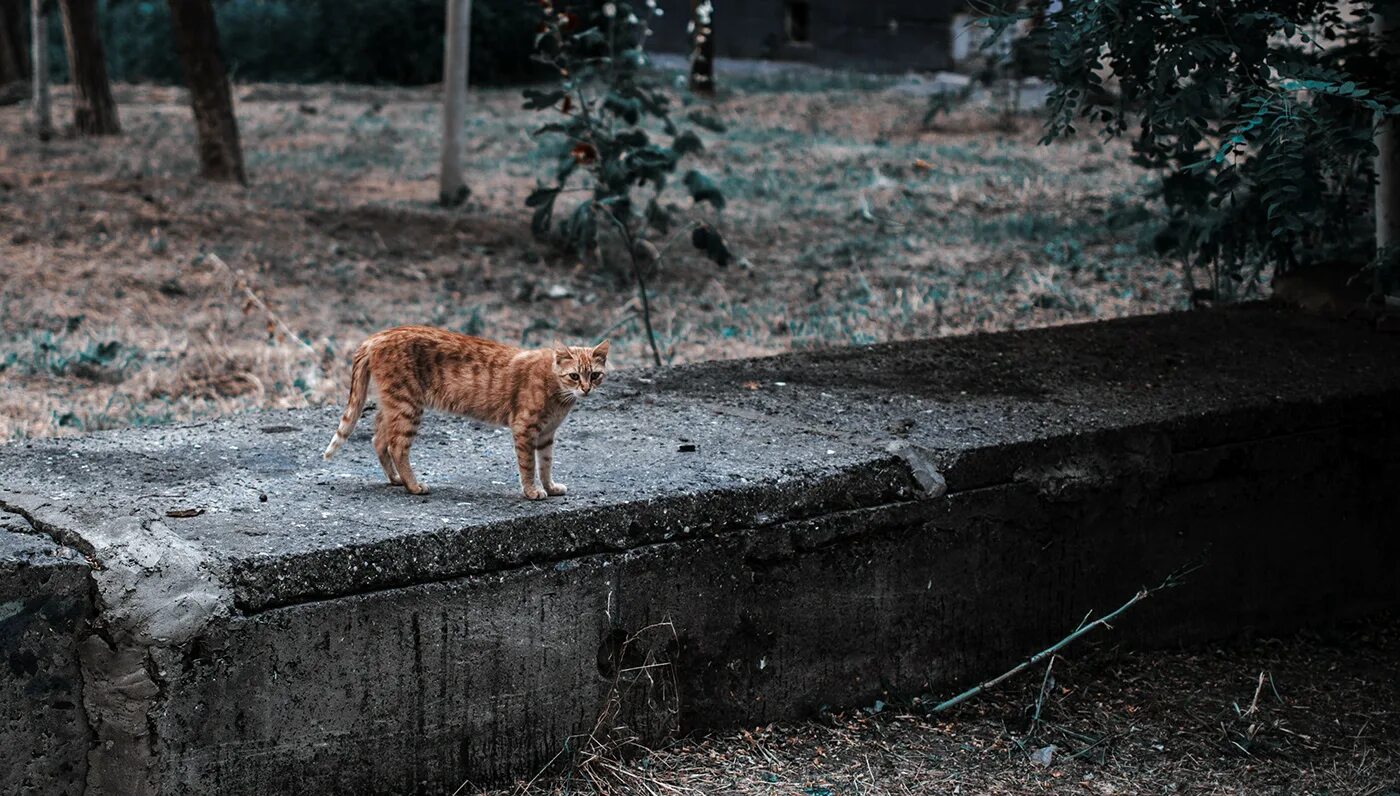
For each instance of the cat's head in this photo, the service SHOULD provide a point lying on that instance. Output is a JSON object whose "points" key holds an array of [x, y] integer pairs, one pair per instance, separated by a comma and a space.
{"points": [[580, 368]]}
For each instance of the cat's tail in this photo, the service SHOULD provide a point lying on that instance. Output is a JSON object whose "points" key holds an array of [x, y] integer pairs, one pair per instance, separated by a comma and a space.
{"points": [[359, 388]]}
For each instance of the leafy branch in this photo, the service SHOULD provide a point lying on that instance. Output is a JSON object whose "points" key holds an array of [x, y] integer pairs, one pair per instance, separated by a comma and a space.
{"points": [[1260, 117], [614, 119]]}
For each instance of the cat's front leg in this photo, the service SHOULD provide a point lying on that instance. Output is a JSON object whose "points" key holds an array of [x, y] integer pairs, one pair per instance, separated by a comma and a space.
{"points": [[525, 459], [545, 453]]}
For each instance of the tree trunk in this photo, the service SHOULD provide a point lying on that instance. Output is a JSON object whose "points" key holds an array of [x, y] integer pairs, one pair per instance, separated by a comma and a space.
{"points": [[452, 190], [702, 47], [1387, 25], [12, 66], [94, 110], [39, 52], [14, 75], [197, 39]]}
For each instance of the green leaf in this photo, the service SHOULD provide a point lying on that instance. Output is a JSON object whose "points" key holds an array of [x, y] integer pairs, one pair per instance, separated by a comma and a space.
{"points": [[707, 239], [658, 217], [542, 199], [580, 229], [686, 143], [541, 219], [537, 100], [705, 120], [703, 189], [632, 139], [629, 109], [567, 166], [593, 37], [541, 196]]}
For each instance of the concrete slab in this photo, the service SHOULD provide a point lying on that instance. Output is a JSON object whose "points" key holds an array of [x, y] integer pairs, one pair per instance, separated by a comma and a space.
{"points": [[45, 604], [822, 528]]}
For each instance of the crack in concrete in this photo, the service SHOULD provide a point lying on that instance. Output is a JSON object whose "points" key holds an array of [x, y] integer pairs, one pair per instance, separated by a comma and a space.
{"points": [[59, 535], [154, 592]]}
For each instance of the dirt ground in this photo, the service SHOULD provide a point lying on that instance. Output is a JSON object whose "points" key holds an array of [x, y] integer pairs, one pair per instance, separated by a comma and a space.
{"points": [[859, 225], [1311, 714]]}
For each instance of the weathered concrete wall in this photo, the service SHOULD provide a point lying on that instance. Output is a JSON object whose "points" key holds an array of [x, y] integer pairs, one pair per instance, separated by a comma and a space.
{"points": [[850, 525], [45, 604]]}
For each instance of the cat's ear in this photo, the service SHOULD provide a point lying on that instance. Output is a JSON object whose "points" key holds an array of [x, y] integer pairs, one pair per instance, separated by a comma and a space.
{"points": [[562, 353], [600, 351]]}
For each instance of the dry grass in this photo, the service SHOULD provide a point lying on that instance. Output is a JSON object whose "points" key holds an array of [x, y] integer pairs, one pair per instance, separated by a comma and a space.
{"points": [[1304, 715], [850, 242]]}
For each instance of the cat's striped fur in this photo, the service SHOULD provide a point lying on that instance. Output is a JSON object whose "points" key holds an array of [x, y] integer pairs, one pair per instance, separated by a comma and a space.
{"points": [[530, 391]]}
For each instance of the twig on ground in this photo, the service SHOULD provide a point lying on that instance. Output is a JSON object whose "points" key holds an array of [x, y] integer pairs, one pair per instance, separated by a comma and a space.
{"points": [[1103, 621], [1046, 682], [1043, 692], [1254, 703], [1067, 732], [1091, 747]]}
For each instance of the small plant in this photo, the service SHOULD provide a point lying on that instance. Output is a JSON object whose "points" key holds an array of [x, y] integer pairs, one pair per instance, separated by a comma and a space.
{"points": [[615, 117], [63, 354]]}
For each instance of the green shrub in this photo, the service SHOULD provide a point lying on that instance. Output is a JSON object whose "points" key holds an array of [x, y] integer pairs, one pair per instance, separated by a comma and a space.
{"points": [[1260, 114]]}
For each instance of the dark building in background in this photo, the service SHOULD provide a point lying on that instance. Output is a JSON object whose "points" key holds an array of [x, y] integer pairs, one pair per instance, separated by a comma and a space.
{"points": [[884, 35]]}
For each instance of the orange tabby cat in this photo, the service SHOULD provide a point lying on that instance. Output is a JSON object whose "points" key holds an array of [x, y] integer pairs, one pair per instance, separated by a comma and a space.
{"points": [[417, 368]]}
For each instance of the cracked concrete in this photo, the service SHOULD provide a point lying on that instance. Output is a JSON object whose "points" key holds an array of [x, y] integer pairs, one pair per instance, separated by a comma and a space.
{"points": [[821, 528], [155, 591], [45, 605]]}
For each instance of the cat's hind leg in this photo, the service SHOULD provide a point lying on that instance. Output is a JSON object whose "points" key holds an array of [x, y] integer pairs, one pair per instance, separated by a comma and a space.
{"points": [[402, 427], [381, 448]]}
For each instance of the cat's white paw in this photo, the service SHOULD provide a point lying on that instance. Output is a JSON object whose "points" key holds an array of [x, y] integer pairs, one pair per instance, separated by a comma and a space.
{"points": [[531, 493], [555, 490]]}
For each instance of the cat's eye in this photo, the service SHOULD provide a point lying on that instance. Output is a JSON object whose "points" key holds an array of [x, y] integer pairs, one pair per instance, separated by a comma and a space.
{"points": [[597, 374], [573, 376]]}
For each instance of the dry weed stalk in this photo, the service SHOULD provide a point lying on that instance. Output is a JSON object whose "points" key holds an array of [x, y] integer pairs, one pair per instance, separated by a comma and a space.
{"points": [[597, 759], [313, 372], [1172, 580], [241, 281]]}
